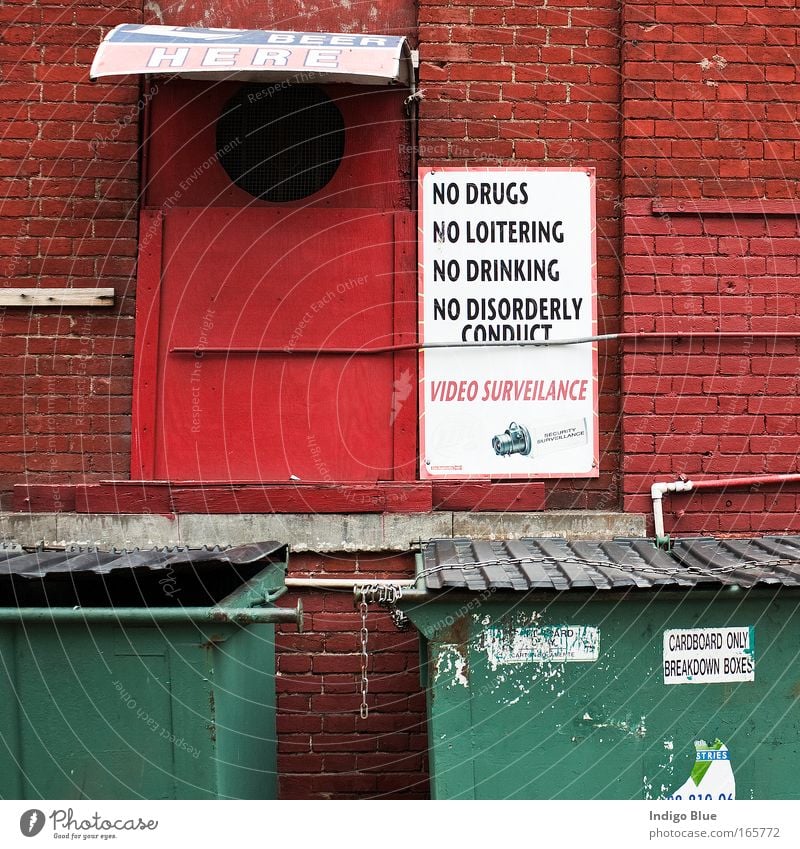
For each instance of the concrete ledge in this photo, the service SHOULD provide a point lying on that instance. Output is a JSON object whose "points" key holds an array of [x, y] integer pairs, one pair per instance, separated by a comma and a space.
{"points": [[570, 524], [313, 532]]}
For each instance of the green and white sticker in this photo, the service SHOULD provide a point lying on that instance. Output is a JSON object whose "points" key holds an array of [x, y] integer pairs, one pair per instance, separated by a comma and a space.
{"points": [[709, 655], [711, 778], [543, 644]]}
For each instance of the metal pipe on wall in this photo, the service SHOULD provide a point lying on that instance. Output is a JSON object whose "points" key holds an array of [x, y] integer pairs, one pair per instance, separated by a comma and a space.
{"points": [[153, 616], [345, 583], [533, 343], [660, 489]]}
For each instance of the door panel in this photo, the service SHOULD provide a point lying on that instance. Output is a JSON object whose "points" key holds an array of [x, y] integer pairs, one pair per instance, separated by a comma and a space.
{"points": [[283, 280]]}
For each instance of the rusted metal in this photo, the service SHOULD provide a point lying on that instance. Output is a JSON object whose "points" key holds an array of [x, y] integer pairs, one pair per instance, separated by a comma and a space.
{"points": [[457, 636]]}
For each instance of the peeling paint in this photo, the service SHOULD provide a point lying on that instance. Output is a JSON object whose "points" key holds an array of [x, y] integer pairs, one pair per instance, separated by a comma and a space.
{"points": [[622, 725], [666, 770], [155, 10], [716, 61], [451, 664], [455, 639], [524, 690], [460, 667]]}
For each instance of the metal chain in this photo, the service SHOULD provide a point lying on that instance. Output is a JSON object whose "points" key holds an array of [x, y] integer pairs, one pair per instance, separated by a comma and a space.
{"points": [[687, 570], [387, 596], [363, 609]]}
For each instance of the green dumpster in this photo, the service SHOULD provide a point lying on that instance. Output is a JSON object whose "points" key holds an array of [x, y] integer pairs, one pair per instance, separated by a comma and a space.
{"points": [[146, 674], [611, 670]]}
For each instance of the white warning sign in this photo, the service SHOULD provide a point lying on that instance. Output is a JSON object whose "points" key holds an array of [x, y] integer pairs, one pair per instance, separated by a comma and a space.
{"points": [[545, 644], [507, 264], [709, 655]]}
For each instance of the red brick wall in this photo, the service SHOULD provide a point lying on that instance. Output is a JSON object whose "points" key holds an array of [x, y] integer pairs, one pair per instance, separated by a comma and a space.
{"points": [[325, 749], [69, 181], [710, 113], [709, 105], [396, 17], [68, 186], [521, 83]]}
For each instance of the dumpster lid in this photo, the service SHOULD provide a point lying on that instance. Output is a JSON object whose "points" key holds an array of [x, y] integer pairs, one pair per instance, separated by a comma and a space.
{"points": [[159, 577], [545, 563], [16, 561]]}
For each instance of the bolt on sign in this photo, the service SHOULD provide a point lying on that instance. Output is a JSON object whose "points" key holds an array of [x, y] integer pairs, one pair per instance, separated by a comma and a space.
{"points": [[709, 655], [508, 259]]}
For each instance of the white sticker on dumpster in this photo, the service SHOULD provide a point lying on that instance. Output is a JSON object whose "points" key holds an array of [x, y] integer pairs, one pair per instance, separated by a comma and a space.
{"points": [[709, 655], [545, 644]]}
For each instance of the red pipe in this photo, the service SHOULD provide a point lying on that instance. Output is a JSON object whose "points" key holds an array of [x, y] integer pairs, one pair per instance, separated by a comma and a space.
{"points": [[749, 480], [661, 488]]}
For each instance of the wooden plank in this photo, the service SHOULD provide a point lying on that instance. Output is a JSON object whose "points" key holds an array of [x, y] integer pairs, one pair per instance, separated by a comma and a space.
{"points": [[304, 498], [404, 387], [44, 498], [123, 498], [724, 206], [145, 362], [489, 497], [63, 297]]}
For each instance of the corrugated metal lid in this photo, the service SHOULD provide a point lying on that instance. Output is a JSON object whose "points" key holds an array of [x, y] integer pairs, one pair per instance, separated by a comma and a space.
{"points": [[15, 561], [559, 564], [746, 562]]}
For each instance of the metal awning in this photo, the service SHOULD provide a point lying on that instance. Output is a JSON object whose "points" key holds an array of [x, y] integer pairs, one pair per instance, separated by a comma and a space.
{"points": [[252, 55], [556, 564]]}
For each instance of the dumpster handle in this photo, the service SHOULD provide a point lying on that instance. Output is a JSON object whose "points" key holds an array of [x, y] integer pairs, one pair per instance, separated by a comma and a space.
{"points": [[154, 615], [273, 596]]}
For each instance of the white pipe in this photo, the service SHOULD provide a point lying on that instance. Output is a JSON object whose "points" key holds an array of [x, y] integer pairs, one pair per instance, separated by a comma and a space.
{"points": [[344, 583], [657, 492]]}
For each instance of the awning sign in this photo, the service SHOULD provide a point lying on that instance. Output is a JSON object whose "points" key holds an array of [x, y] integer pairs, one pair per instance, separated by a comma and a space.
{"points": [[194, 52], [508, 258], [709, 655]]}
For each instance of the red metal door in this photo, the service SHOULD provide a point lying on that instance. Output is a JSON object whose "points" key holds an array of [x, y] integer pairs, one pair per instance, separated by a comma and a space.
{"points": [[219, 279]]}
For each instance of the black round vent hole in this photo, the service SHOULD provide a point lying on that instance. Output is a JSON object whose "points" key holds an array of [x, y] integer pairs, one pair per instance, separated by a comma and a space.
{"points": [[283, 144]]}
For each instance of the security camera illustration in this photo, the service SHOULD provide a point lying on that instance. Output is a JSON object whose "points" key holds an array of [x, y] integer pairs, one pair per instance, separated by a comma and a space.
{"points": [[515, 440], [558, 436]]}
